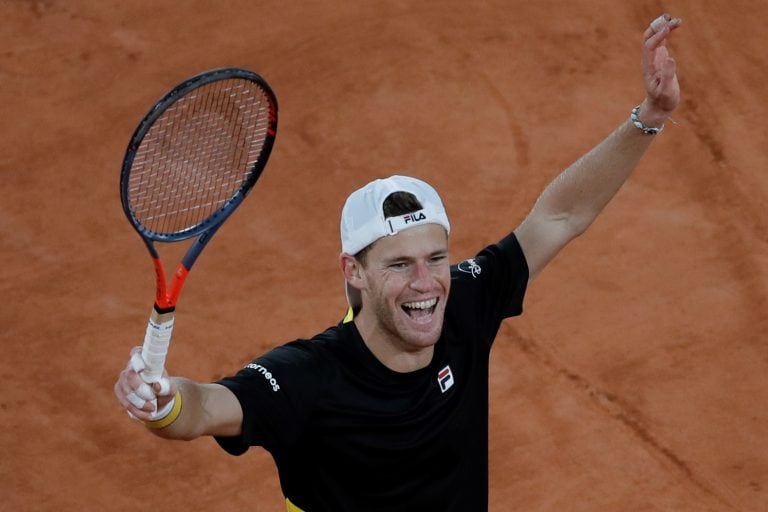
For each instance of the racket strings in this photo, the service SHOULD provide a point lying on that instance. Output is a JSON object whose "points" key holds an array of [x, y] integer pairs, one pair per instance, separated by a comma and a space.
{"points": [[197, 155]]}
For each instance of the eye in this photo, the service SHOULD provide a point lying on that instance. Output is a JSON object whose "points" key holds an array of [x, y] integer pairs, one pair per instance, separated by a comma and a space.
{"points": [[438, 259]]}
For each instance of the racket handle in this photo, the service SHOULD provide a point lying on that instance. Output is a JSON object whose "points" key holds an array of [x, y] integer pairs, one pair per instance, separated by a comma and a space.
{"points": [[156, 342]]}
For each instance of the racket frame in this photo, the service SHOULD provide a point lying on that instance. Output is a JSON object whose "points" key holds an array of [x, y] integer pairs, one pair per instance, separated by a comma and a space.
{"points": [[160, 325]]}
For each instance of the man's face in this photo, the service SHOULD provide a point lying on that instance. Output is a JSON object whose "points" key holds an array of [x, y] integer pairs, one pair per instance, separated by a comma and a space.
{"points": [[407, 279]]}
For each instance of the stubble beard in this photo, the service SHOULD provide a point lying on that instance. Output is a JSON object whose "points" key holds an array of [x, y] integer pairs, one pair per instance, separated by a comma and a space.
{"points": [[399, 333]]}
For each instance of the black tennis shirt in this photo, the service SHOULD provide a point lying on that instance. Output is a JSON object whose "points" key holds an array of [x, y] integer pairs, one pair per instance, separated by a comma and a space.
{"points": [[349, 434]]}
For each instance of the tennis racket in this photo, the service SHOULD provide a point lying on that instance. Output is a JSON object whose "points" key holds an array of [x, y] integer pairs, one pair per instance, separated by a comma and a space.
{"points": [[190, 163]]}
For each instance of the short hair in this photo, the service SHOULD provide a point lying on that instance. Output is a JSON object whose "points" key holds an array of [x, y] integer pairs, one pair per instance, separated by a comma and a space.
{"points": [[396, 203]]}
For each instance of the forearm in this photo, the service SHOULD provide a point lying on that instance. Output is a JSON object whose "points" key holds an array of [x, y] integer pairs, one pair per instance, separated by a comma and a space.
{"points": [[572, 201], [580, 193], [570, 204], [206, 409]]}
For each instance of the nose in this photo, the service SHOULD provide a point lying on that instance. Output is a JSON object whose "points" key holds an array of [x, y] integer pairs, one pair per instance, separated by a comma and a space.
{"points": [[422, 279]]}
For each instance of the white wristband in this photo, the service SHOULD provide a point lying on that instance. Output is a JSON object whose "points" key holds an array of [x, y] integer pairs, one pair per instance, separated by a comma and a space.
{"points": [[164, 411], [167, 415]]}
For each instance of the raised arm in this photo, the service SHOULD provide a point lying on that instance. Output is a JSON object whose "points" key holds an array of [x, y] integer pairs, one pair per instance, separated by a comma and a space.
{"points": [[572, 201]]}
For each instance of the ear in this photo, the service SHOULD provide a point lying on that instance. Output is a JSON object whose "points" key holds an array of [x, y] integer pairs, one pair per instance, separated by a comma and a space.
{"points": [[352, 270]]}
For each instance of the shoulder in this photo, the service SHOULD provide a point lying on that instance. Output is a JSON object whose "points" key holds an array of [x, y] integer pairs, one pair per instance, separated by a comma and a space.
{"points": [[307, 351], [292, 365], [505, 256], [493, 282]]}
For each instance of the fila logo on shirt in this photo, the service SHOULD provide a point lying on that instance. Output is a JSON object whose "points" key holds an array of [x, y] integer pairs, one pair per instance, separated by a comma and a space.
{"points": [[445, 378]]}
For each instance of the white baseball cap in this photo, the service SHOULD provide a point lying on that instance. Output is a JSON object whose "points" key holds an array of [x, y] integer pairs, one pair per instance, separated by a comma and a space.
{"points": [[363, 221]]}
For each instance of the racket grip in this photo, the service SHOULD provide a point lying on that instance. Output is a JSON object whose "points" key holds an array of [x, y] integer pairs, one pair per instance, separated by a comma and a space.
{"points": [[156, 342]]}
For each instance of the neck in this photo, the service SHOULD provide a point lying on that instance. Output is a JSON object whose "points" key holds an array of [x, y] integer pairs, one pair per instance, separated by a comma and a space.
{"points": [[392, 351]]}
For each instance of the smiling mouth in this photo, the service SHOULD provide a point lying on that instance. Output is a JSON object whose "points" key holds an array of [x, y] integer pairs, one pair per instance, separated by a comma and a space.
{"points": [[420, 309]]}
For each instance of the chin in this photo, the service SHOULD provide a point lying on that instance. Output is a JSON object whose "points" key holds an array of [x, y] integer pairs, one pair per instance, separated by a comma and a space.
{"points": [[421, 340], [423, 335]]}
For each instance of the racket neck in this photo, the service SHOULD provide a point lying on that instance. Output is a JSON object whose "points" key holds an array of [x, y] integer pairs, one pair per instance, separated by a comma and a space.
{"points": [[166, 296], [198, 245]]}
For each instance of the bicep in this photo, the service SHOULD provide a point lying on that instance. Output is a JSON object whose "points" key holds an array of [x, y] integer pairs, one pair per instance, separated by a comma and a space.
{"points": [[221, 412], [541, 238]]}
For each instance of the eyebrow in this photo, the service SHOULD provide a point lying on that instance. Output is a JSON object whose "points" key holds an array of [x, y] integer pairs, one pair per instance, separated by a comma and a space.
{"points": [[433, 254]]}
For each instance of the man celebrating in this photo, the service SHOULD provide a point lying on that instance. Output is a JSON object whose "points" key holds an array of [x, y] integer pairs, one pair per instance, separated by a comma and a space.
{"points": [[389, 409]]}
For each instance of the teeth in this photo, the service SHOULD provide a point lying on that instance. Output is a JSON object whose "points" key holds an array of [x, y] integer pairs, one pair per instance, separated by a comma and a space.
{"points": [[424, 304]]}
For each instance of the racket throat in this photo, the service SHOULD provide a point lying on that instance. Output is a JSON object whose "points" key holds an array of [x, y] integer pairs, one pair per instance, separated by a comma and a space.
{"points": [[166, 296]]}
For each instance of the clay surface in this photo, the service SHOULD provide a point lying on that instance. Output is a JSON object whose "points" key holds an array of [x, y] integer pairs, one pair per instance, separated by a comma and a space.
{"points": [[634, 381]]}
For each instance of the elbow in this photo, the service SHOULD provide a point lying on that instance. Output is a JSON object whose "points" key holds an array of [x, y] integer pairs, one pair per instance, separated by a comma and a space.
{"points": [[572, 225], [569, 221], [578, 226], [172, 432]]}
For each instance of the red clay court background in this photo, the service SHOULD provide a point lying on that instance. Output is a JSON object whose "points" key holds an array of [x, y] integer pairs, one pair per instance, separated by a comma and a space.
{"points": [[636, 379]]}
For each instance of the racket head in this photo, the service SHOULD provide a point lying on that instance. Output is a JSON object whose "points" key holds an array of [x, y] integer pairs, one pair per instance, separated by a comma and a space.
{"points": [[197, 153]]}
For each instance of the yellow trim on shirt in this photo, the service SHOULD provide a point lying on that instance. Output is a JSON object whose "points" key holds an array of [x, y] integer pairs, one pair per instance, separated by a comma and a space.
{"points": [[350, 316], [290, 507]]}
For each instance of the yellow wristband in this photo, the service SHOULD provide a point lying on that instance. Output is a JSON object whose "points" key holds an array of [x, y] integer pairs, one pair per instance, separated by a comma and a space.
{"points": [[170, 417]]}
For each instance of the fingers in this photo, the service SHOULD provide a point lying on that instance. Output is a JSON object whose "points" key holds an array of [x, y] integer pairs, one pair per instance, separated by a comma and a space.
{"points": [[668, 70], [659, 29], [126, 392], [658, 24], [135, 399], [138, 397], [665, 21], [659, 70], [163, 387], [658, 66], [160, 388], [656, 60], [136, 363]]}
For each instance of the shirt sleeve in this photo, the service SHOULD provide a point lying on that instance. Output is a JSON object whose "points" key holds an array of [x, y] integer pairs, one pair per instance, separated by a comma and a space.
{"points": [[276, 392], [489, 287], [511, 274]]}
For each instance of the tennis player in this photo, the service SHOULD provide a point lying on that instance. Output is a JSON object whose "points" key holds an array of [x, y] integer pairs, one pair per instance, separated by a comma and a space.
{"points": [[388, 410]]}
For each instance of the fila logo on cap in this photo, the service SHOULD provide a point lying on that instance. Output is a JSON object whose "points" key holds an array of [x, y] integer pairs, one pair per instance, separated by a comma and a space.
{"points": [[397, 224], [414, 217], [445, 378]]}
